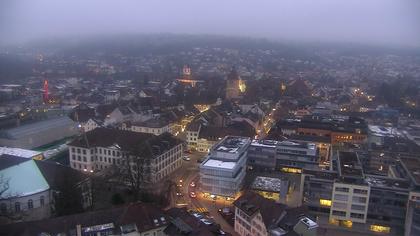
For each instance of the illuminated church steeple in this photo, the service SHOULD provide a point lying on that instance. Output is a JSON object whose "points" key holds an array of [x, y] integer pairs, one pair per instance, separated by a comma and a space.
{"points": [[233, 85]]}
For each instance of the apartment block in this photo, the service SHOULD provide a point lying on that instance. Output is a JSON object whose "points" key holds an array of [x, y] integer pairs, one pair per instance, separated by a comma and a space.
{"points": [[223, 171], [287, 156]]}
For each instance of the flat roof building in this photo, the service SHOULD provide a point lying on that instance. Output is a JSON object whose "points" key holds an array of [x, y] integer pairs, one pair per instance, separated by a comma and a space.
{"points": [[346, 197], [287, 156], [38, 133], [20, 152], [223, 171]]}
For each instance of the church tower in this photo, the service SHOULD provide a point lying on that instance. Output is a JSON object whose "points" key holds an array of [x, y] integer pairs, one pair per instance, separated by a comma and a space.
{"points": [[233, 85]]}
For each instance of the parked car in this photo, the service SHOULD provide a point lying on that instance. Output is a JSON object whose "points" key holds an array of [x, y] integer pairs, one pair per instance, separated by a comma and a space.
{"points": [[193, 195], [186, 158]]}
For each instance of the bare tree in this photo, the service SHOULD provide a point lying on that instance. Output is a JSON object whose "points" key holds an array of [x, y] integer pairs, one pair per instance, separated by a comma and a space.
{"points": [[5, 211], [4, 185]]}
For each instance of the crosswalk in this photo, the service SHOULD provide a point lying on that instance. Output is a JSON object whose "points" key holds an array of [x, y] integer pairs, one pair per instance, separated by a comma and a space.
{"points": [[201, 210]]}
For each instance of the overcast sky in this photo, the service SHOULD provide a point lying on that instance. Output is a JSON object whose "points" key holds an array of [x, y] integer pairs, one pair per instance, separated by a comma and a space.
{"points": [[392, 22]]}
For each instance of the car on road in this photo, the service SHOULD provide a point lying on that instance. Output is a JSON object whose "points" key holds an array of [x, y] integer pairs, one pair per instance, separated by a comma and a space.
{"points": [[186, 158], [193, 195], [179, 194], [206, 221], [198, 215], [225, 211], [192, 184]]}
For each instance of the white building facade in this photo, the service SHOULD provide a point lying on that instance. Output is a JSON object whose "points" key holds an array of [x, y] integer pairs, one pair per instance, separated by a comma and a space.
{"points": [[223, 171]]}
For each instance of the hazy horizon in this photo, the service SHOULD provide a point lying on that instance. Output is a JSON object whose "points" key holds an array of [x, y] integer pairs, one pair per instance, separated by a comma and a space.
{"points": [[374, 22]]}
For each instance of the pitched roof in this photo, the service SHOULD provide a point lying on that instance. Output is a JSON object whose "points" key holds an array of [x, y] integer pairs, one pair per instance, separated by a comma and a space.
{"points": [[194, 126], [140, 144], [251, 203], [104, 110], [105, 137], [58, 175], [183, 223], [23, 179], [82, 113], [26, 130], [145, 216], [125, 110], [235, 129], [7, 160], [151, 123]]}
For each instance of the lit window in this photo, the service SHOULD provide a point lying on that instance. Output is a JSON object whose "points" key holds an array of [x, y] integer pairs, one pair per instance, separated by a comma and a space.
{"points": [[346, 223], [334, 221], [325, 202], [380, 228]]}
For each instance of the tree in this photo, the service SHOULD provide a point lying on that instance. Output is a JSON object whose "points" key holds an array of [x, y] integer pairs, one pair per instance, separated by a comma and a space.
{"points": [[68, 197], [131, 174], [4, 185], [117, 199]]}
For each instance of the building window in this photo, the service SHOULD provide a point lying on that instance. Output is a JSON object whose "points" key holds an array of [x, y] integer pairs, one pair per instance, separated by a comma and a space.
{"points": [[324, 202], [339, 213], [359, 199], [30, 204], [340, 205], [357, 215], [358, 207], [17, 207], [73, 157], [341, 189], [340, 197], [360, 191], [346, 223], [380, 228], [84, 151], [73, 149], [79, 158], [78, 150]]}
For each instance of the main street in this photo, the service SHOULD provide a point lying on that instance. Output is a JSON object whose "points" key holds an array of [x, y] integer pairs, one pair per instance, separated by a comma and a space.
{"points": [[180, 195]]}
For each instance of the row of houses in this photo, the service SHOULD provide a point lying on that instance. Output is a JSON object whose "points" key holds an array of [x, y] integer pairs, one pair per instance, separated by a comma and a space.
{"points": [[129, 117], [228, 118], [254, 215]]}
